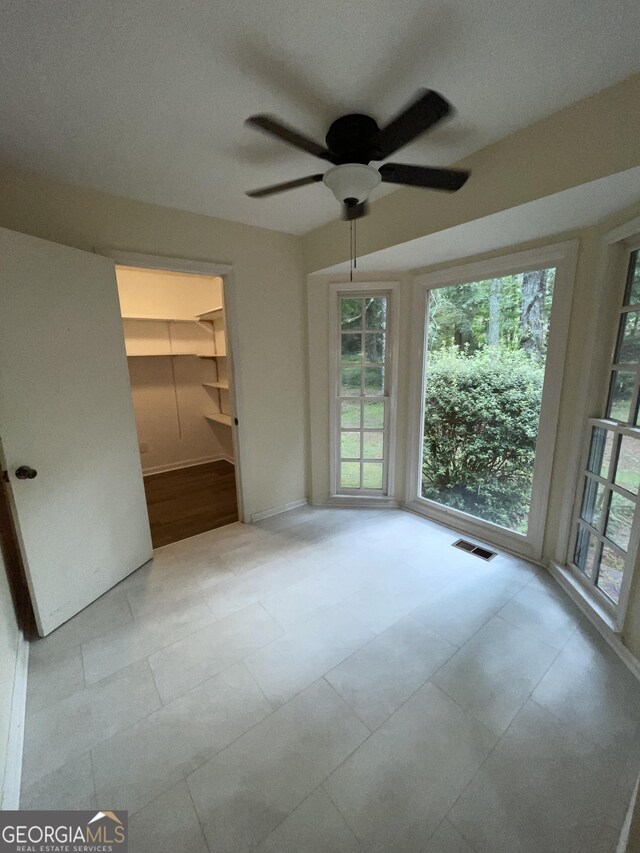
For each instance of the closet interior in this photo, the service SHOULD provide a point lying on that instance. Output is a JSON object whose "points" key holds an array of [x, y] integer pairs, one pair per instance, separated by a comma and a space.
{"points": [[176, 342]]}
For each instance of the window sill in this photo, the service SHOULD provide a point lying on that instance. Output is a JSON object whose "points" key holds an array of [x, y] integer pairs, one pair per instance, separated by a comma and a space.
{"points": [[382, 501], [599, 617], [592, 608]]}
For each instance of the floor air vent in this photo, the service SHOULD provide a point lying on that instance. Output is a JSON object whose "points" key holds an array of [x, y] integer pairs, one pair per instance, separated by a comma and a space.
{"points": [[476, 550]]}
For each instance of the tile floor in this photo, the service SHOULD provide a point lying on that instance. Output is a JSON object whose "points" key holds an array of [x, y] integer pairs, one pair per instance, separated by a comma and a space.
{"points": [[335, 681]]}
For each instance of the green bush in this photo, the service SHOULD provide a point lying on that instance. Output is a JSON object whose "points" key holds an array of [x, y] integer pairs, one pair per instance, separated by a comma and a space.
{"points": [[480, 431]]}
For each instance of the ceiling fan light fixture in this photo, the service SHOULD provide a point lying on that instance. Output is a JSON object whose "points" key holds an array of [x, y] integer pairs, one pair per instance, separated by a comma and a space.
{"points": [[352, 181]]}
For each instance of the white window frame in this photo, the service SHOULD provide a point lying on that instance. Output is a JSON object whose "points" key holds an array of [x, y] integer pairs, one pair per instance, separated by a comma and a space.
{"points": [[624, 250], [618, 245], [563, 257], [617, 611], [359, 289]]}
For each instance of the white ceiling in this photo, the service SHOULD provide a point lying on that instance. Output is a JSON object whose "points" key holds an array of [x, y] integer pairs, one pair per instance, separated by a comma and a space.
{"points": [[147, 98], [575, 208]]}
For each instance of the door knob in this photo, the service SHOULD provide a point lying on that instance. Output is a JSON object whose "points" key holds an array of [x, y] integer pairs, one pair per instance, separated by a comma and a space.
{"points": [[26, 473]]}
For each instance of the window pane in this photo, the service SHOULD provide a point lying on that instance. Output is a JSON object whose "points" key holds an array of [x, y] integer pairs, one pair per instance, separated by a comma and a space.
{"points": [[619, 520], [592, 501], [350, 445], [629, 343], [374, 347], [372, 475], [372, 445], [585, 550], [351, 314], [600, 451], [632, 296], [350, 475], [622, 383], [484, 375], [374, 381], [376, 313], [350, 413], [351, 349], [350, 382], [610, 574], [373, 414], [627, 473]]}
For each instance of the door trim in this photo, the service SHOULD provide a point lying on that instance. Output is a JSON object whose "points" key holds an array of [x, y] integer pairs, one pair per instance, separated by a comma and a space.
{"points": [[12, 781], [160, 262], [224, 271], [563, 256]]}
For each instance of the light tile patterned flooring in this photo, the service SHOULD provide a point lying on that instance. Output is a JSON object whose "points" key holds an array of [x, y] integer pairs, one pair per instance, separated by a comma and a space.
{"points": [[335, 681]]}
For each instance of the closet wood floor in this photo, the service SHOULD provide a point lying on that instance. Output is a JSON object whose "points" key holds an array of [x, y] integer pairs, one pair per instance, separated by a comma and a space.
{"points": [[191, 500]]}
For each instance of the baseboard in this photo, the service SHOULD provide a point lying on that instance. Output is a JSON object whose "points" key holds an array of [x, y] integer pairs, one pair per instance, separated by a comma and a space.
{"points": [[358, 502], [277, 510], [486, 542], [15, 741], [189, 463], [626, 826], [602, 622]]}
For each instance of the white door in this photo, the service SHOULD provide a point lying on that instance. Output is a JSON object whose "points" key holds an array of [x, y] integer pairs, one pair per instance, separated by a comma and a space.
{"points": [[66, 413]]}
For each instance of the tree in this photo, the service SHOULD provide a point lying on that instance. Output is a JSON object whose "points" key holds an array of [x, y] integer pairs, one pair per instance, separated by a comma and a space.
{"points": [[493, 327], [532, 320]]}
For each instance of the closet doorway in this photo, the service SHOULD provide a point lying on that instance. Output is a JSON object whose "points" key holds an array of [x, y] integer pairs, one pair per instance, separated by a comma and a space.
{"points": [[179, 357]]}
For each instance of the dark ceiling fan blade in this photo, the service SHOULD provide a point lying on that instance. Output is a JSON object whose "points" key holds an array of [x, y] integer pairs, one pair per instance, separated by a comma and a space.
{"points": [[287, 185], [429, 177], [356, 211], [287, 134], [426, 109]]}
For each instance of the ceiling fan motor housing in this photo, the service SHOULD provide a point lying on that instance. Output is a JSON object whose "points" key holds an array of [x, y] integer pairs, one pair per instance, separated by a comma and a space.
{"points": [[351, 183], [354, 138]]}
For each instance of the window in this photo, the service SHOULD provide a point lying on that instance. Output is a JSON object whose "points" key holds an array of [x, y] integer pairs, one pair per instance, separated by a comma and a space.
{"points": [[622, 402], [486, 355], [363, 393], [486, 361], [605, 534]]}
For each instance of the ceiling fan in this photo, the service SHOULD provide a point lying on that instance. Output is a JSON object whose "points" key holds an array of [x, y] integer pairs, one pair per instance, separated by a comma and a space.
{"points": [[354, 140]]}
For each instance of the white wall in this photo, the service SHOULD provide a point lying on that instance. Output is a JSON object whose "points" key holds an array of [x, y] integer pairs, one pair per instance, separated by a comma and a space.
{"points": [[170, 418], [161, 293], [169, 398], [9, 639], [268, 299]]}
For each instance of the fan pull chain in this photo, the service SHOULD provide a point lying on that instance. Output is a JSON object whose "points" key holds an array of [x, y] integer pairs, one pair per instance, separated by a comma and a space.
{"points": [[355, 249], [351, 250], [353, 261]]}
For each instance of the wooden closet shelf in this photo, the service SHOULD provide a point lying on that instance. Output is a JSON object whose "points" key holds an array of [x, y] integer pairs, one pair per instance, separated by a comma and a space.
{"points": [[219, 418], [214, 314], [192, 354], [159, 354], [158, 319]]}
